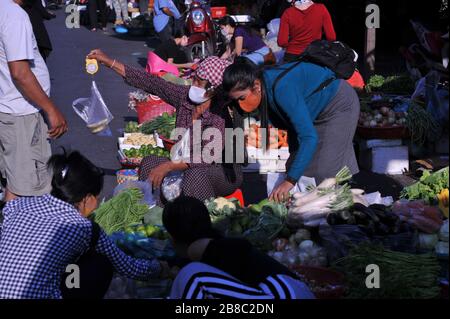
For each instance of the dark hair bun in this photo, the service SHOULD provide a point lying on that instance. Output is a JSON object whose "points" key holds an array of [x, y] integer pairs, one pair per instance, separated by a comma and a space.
{"points": [[74, 177]]}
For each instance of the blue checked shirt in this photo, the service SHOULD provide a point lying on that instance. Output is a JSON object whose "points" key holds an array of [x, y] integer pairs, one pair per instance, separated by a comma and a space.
{"points": [[40, 236]]}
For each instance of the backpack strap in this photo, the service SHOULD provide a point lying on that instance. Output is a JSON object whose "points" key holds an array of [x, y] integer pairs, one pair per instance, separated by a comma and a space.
{"points": [[321, 87]]}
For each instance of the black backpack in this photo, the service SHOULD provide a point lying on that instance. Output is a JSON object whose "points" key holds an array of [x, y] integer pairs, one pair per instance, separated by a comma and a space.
{"points": [[335, 55]]}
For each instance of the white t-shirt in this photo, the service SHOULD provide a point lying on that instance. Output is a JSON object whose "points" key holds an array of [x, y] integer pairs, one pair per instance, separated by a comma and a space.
{"points": [[17, 42]]}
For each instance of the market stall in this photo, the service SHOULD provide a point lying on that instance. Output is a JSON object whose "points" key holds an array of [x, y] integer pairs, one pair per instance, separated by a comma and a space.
{"points": [[327, 233]]}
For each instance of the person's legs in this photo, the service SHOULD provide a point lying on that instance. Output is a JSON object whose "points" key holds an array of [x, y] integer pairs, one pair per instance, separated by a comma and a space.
{"points": [[143, 6], [92, 8], [24, 152], [196, 183], [225, 181], [166, 33], [118, 11], [103, 13], [124, 8]]}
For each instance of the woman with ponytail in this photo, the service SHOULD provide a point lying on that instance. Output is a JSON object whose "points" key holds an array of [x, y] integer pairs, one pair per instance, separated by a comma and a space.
{"points": [[41, 236]]}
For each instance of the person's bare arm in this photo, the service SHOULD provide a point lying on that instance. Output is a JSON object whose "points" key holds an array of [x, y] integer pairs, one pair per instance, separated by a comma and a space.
{"points": [[168, 12], [239, 44], [29, 86]]}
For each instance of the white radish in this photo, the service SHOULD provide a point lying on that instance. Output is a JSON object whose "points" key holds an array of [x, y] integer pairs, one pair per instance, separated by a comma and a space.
{"points": [[315, 223], [327, 183], [308, 197], [360, 200], [319, 203], [357, 191]]}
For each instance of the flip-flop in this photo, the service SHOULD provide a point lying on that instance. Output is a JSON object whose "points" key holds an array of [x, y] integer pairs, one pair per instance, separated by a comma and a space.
{"points": [[121, 29]]}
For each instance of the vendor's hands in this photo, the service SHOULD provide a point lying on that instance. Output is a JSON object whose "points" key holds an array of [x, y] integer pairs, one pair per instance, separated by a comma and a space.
{"points": [[157, 174], [281, 192], [100, 56]]}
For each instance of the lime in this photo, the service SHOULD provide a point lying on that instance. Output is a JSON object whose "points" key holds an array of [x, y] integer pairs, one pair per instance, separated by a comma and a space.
{"points": [[151, 230]]}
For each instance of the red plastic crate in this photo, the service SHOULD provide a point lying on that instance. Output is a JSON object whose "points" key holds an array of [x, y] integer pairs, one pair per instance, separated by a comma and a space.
{"points": [[218, 12]]}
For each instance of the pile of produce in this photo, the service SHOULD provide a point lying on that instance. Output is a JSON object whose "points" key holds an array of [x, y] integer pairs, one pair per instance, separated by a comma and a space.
{"points": [[146, 150], [311, 208], [383, 117], [402, 275], [132, 127], [299, 249], [138, 139], [427, 219], [147, 231], [395, 84], [375, 220], [422, 125], [254, 135], [260, 223], [163, 124], [430, 186], [121, 210]]}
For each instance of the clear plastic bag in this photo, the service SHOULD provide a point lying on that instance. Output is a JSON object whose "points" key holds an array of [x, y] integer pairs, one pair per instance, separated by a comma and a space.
{"points": [[145, 188], [171, 186], [94, 112]]}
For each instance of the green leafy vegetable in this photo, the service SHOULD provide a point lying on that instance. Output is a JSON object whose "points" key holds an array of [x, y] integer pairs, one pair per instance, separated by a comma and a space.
{"points": [[402, 275], [121, 211], [429, 186]]}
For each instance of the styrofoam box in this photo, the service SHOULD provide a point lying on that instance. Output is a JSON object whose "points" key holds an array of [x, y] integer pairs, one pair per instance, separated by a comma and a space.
{"points": [[271, 154], [265, 166], [390, 160]]}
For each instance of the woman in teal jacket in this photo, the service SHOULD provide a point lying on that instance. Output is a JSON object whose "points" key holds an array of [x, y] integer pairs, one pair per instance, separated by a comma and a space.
{"points": [[320, 113]]}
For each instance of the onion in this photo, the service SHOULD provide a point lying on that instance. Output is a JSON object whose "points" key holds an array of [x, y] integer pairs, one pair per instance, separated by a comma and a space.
{"points": [[373, 123], [366, 124], [391, 120], [306, 244], [384, 110]]}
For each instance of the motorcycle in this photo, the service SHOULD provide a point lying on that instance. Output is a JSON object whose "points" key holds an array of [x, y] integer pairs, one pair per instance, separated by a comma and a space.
{"points": [[204, 35]]}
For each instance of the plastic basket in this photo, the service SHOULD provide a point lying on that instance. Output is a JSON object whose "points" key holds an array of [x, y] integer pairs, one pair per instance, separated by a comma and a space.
{"points": [[218, 12], [153, 107]]}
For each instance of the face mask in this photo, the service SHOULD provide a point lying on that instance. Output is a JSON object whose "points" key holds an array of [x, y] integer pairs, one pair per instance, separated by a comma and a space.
{"points": [[251, 102], [197, 95], [224, 32]]}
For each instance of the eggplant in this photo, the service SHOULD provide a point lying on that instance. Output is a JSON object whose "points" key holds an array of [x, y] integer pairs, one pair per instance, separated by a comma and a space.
{"points": [[335, 219], [361, 218]]}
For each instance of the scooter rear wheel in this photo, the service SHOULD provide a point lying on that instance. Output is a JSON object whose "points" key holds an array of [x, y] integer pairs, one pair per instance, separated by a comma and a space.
{"points": [[195, 51]]}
